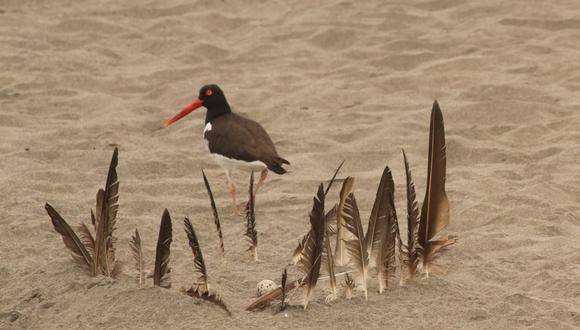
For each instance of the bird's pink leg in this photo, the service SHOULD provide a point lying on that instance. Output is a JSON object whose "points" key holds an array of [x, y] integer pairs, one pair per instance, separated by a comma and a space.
{"points": [[263, 176], [232, 188]]}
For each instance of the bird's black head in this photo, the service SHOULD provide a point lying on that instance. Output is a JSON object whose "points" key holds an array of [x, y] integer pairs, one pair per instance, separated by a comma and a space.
{"points": [[214, 100], [211, 97]]}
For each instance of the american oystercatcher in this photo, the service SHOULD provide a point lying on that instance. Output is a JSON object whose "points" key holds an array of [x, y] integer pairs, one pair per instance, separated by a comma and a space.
{"points": [[232, 140]]}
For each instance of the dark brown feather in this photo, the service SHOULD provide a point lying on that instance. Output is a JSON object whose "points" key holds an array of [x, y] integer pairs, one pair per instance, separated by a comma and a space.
{"points": [[340, 254], [107, 207], [435, 210], [207, 296], [331, 230], [251, 232], [93, 220], [162, 252], [216, 217], [386, 255], [198, 262], [413, 249], [70, 239], [350, 285], [311, 258], [329, 217], [382, 208], [137, 252], [257, 144], [382, 231], [356, 247], [284, 290]]}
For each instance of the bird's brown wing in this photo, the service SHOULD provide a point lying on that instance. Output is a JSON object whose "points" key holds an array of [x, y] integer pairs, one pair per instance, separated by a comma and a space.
{"points": [[240, 138]]}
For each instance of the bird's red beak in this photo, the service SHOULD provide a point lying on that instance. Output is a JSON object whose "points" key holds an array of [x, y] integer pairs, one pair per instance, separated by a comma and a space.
{"points": [[198, 103]]}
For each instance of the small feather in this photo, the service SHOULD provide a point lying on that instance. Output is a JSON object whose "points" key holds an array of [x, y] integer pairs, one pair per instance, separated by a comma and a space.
{"points": [[162, 253], [311, 258], [251, 232], [105, 220], [356, 247], [383, 206], [70, 239], [349, 282], [340, 254], [328, 261], [435, 209], [214, 211], [198, 262], [284, 289], [331, 230], [93, 220], [137, 251], [383, 230], [413, 250]]}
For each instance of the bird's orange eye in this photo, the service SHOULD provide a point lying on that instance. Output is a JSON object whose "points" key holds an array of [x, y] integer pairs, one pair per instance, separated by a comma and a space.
{"points": [[209, 92]]}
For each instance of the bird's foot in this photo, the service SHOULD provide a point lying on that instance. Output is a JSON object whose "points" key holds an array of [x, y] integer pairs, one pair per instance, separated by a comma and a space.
{"points": [[236, 211]]}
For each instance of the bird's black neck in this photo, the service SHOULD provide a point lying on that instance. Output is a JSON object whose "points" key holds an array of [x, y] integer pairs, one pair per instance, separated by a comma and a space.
{"points": [[216, 111]]}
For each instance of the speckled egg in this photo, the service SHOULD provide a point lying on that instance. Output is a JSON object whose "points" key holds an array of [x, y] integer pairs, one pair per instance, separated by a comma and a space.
{"points": [[265, 286]]}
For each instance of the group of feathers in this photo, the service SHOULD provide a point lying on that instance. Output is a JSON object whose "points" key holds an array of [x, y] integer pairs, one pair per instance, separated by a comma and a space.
{"points": [[359, 250]]}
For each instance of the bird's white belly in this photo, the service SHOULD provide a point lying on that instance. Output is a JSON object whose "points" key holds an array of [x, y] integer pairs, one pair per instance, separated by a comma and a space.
{"points": [[229, 164]]}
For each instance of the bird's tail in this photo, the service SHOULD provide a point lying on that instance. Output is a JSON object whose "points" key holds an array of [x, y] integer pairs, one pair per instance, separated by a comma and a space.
{"points": [[276, 165]]}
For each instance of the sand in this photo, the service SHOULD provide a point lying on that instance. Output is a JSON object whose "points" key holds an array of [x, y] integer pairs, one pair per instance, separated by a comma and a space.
{"points": [[330, 81]]}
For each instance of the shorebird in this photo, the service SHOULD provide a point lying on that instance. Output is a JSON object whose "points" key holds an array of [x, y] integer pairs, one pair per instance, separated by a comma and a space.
{"points": [[235, 142]]}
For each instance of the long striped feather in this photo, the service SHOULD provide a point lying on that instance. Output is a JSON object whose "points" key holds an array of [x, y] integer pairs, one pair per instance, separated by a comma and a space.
{"points": [[311, 258], [413, 249], [105, 221], [137, 252], [71, 240], [435, 209], [216, 217], [198, 262], [340, 254], [356, 247], [161, 273]]}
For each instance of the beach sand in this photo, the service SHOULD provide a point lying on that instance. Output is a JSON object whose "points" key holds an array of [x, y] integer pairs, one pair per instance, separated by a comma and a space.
{"points": [[330, 81]]}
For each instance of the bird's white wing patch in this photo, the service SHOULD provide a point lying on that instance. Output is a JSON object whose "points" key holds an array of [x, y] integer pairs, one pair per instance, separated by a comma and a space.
{"points": [[207, 128]]}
